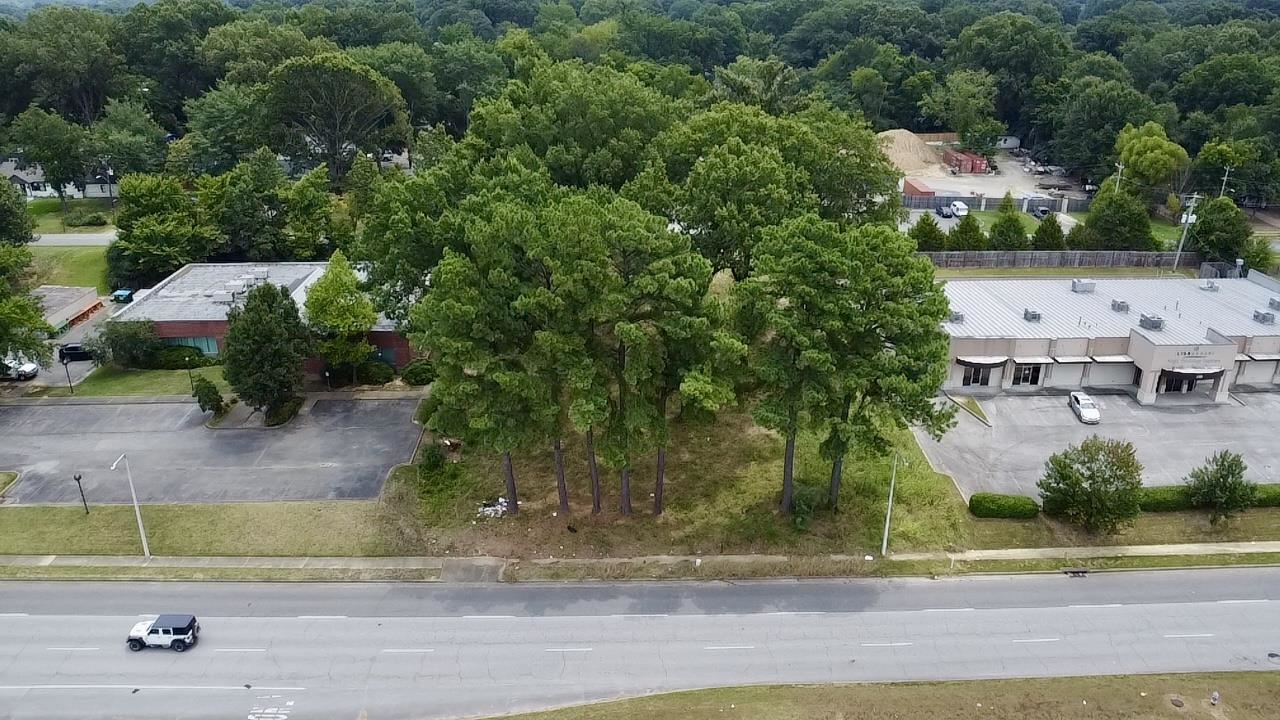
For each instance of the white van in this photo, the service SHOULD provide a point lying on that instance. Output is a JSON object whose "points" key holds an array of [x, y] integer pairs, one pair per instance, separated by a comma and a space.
{"points": [[959, 209]]}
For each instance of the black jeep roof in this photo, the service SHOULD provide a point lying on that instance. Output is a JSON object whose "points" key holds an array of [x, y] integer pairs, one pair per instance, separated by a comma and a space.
{"points": [[174, 621]]}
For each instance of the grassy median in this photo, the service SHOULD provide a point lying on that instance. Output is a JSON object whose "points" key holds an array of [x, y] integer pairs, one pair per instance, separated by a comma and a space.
{"points": [[1244, 696], [110, 381]]}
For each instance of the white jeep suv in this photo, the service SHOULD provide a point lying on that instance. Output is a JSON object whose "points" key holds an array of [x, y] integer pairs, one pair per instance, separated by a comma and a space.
{"points": [[176, 632]]}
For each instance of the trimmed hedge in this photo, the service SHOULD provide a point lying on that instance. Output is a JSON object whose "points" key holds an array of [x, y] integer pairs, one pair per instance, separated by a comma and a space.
{"points": [[418, 372], [995, 505], [79, 217], [1169, 498], [375, 372], [1268, 496], [180, 357]]}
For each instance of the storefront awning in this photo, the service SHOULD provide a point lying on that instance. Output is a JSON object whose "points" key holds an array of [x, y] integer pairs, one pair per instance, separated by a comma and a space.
{"points": [[1203, 373], [1241, 357], [1033, 360], [1112, 358], [982, 361], [1264, 357], [1072, 359]]}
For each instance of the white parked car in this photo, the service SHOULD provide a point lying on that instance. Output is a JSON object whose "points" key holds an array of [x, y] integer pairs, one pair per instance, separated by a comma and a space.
{"points": [[176, 632], [1085, 408], [959, 209]]}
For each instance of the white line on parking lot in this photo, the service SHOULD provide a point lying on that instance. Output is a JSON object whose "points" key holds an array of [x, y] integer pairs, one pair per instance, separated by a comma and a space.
{"points": [[1038, 640], [887, 644], [1191, 635], [730, 647], [487, 617], [798, 612], [946, 610], [240, 688], [408, 650], [239, 649], [72, 649], [322, 617], [1103, 605], [639, 615], [567, 650], [1241, 602]]}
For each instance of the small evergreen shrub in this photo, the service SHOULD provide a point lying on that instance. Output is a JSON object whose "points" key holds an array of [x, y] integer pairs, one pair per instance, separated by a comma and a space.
{"points": [[995, 505]]}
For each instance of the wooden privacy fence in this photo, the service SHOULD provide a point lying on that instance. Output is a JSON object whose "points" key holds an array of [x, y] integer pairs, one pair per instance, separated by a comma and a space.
{"points": [[1059, 258]]}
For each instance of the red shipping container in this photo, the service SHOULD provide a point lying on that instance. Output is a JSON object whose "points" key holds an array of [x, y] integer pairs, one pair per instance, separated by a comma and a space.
{"points": [[916, 188], [978, 163], [958, 161]]}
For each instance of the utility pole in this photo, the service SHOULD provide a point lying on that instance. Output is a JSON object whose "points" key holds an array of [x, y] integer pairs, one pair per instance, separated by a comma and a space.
{"points": [[888, 513], [1225, 175], [1186, 227], [1119, 175]]}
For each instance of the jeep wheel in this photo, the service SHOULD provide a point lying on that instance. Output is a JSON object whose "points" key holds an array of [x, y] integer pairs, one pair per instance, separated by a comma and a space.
{"points": [[178, 646], [136, 645]]}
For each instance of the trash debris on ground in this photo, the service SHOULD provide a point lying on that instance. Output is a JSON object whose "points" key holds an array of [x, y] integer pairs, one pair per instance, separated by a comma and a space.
{"points": [[494, 509]]}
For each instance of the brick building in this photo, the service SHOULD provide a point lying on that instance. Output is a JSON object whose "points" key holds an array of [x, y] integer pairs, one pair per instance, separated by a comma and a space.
{"points": [[190, 306]]}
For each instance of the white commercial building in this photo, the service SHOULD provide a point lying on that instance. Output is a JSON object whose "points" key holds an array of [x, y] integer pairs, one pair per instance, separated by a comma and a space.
{"points": [[1149, 336]]}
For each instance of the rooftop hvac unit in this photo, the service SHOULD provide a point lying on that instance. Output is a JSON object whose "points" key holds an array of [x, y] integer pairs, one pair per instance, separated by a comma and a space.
{"points": [[1120, 305], [1151, 322], [1031, 315], [1266, 318], [247, 279], [260, 274], [223, 297], [235, 286], [1210, 285], [956, 317], [1274, 303], [1079, 285]]}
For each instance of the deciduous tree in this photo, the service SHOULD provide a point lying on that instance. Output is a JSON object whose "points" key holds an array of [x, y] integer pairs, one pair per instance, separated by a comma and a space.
{"points": [[341, 315], [54, 144], [16, 224], [1221, 230], [1095, 484], [1220, 486]]}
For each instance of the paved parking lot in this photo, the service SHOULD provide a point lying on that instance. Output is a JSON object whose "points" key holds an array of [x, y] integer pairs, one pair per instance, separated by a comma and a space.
{"points": [[336, 449], [1009, 457]]}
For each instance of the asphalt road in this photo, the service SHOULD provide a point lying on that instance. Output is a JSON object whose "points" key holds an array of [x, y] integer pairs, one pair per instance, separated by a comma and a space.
{"points": [[418, 651], [336, 450], [74, 239]]}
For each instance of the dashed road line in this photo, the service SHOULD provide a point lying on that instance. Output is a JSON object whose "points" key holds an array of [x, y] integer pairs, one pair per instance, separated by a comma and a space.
{"points": [[1037, 640], [241, 650], [887, 644], [404, 651], [567, 650], [72, 649], [1190, 635], [730, 647]]}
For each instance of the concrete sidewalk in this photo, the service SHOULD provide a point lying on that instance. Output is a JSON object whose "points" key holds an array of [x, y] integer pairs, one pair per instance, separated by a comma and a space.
{"points": [[163, 399], [490, 569]]}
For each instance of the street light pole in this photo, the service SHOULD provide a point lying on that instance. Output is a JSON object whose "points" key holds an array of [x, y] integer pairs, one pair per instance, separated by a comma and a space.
{"points": [[137, 511], [86, 502], [66, 365], [888, 513], [189, 378]]}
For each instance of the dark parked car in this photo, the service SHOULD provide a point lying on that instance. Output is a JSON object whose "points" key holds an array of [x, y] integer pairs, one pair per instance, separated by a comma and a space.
{"points": [[944, 211], [73, 352], [1041, 212]]}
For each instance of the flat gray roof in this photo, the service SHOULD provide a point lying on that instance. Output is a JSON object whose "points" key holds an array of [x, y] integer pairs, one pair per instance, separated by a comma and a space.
{"points": [[188, 294], [994, 308], [57, 298]]}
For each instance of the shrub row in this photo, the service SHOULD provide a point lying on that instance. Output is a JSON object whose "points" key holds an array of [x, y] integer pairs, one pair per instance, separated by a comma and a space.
{"points": [[179, 357], [995, 505], [375, 372], [418, 372], [1268, 496], [1169, 498], [283, 412], [79, 217]]}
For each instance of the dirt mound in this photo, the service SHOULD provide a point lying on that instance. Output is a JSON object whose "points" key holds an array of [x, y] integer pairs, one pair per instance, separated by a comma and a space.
{"points": [[910, 154]]}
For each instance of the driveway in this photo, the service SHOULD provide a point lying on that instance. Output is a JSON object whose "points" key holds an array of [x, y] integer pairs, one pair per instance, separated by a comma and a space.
{"points": [[69, 238], [336, 449], [1171, 441]]}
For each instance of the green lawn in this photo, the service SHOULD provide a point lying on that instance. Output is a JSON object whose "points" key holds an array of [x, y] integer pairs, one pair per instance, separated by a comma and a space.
{"points": [[47, 213], [987, 217], [108, 381], [79, 266], [1245, 696]]}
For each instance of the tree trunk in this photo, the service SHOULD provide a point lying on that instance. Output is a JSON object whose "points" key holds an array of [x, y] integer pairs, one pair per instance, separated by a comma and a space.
{"points": [[625, 505], [837, 465], [561, 488], [595, 470], [660, 483], [62, 199], [513, 502], [788, 468]]}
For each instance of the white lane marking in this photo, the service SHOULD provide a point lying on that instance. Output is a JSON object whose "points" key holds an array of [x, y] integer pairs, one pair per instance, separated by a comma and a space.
{"points": [[14, 615], [72, 649], [487, 617], [239, 649], [730, 647], [946, 610], [639, 615], [567, 650], [1102, 605], [1240, 602], [408, 650], [241, 688], [1037, 640], [1191, 635], [322, 617], [887, 644], [798, 612]]}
